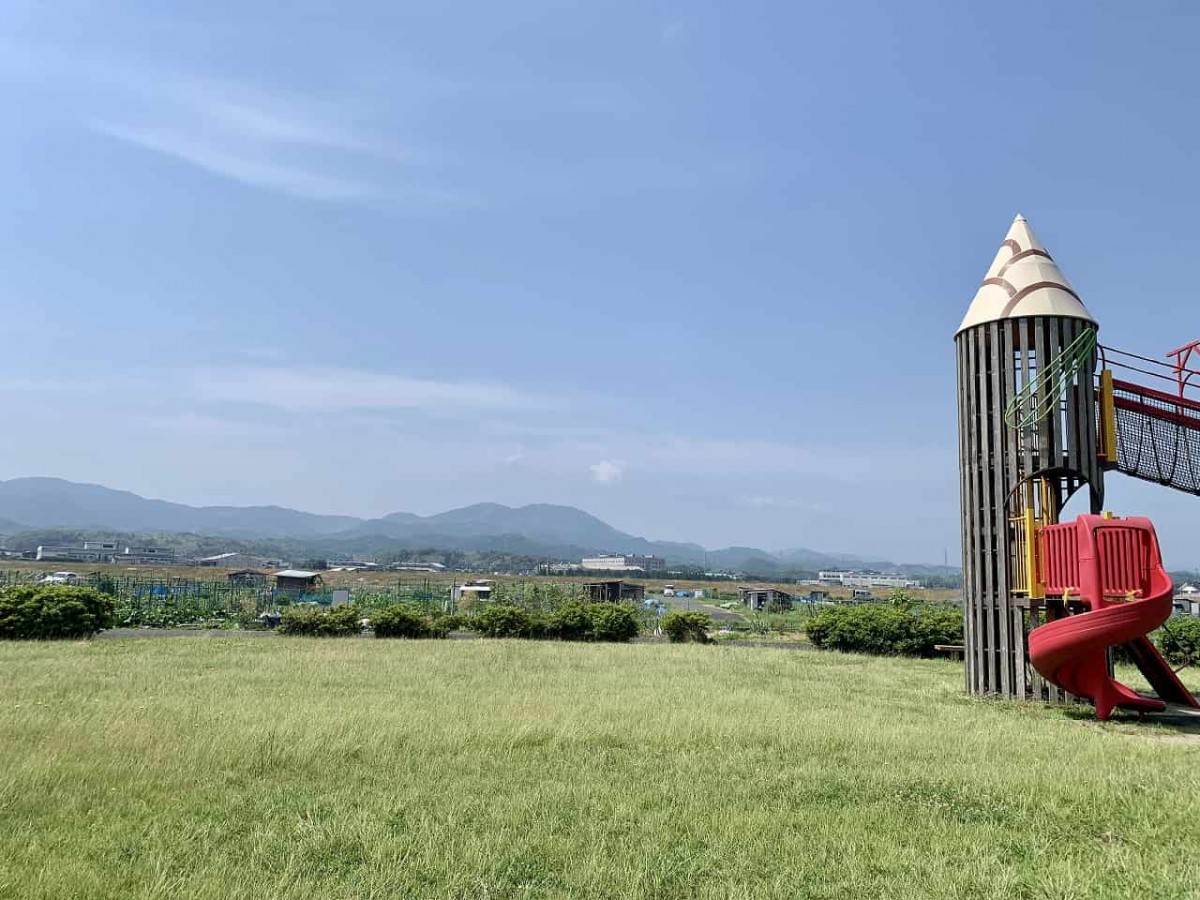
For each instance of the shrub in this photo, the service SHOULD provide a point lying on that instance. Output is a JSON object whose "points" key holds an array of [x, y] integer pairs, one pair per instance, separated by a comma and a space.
{"points": [[570, 622], [612, 622], [687, 627], [32, 612], [341, 621], [884, 630], [400, 621], [500, 620], [448, 622], [1179, 640]]}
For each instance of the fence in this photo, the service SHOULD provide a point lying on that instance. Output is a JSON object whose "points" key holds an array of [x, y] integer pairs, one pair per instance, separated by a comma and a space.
{"points": [[164, 602]]}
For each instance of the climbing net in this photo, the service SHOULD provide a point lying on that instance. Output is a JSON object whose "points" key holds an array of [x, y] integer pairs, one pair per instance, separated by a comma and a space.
{"points": [[1158, 436]]}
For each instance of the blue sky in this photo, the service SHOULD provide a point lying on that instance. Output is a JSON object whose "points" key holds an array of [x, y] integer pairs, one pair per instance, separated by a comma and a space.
{"points": [[694, 267]]}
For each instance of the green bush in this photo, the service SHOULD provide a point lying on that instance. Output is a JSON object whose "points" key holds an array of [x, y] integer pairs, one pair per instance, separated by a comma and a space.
{"points": [[612, 622], [400, 621], [687, 627], [1179, 640], [48, 612], [449, 622], [570, 622], [885, 630], [501, 620], [307, 621]]}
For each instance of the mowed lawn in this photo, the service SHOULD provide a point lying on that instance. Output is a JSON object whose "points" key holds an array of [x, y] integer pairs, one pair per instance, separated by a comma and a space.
{"points": [[276, 768]]}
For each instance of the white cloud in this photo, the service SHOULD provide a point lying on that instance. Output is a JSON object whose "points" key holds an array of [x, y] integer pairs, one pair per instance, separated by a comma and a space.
{"points": [[274, 142], [241, 166], [607, 471], [328, 389]]}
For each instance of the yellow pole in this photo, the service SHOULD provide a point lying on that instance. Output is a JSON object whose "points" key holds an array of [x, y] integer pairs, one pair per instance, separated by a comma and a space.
{"points": [[1037, 589], [1108, 418]]}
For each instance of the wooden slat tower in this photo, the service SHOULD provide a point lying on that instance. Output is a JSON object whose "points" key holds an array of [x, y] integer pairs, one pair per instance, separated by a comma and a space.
{"points": [[1023, 439]]}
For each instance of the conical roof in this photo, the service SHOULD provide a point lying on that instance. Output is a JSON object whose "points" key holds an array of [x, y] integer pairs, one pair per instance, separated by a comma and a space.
{"points": [[1023, 281]]}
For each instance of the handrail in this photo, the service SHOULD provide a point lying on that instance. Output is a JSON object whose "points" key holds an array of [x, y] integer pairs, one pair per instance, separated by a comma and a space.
{"points": [[1178, 373], [1042, 394]]}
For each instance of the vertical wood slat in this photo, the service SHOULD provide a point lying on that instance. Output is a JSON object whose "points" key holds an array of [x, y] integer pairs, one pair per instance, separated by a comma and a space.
{"points": [[1039, 683], [1026, 359], [986, 414], [964, 514], [1071, 331], [1053, 419], [1090, 462], [999, 523], [1041, 448], [1012, 477], [972, 463], [1018, 630]]}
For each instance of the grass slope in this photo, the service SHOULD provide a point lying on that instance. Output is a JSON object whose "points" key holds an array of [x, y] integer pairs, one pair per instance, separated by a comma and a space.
{"points": [[228, 768]]}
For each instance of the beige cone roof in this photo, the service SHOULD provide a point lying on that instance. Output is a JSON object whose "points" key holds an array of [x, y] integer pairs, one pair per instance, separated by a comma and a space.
{"points": [[1023, 281]]}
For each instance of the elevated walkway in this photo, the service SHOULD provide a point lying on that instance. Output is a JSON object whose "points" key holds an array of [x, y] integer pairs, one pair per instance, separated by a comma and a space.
{"points": [[1156, 430]]}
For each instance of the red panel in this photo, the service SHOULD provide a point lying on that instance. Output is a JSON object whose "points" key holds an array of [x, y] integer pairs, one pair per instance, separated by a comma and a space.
{"points": [[1060, 558]]}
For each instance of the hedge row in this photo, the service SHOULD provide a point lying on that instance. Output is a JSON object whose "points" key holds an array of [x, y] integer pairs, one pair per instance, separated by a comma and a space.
{"points": [[49, 612], [573, 621], [885, 630]]}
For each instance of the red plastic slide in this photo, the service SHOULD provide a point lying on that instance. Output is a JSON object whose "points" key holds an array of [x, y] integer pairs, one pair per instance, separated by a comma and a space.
{"points": [[1115, 567]]}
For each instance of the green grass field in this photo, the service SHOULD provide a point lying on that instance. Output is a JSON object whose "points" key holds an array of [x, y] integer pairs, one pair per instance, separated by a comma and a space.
{"points": [[274, 768]]}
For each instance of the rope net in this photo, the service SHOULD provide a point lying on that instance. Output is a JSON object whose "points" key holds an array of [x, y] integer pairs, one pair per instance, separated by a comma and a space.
{"points": [[1158, 436]]}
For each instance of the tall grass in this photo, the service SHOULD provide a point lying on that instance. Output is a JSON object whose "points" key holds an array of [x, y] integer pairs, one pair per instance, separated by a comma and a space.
{"points": [[292, 768]]}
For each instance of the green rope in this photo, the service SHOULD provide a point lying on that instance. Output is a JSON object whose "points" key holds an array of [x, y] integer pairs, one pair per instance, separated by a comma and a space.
{"points": [[1038, 398]]}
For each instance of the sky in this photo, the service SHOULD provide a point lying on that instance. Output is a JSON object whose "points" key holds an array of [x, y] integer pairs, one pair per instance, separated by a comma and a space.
{"points": [[693, 267]]}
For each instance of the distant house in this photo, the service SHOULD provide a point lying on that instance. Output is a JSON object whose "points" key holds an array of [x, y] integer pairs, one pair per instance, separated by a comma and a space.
{"points": [[761, 597], [296, 582], [615, 591], [247, 578], [479, 589], [238, 561]]}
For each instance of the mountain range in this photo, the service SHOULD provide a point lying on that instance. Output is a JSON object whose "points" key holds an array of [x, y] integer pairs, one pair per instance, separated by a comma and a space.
{"points": [[541, 530]]}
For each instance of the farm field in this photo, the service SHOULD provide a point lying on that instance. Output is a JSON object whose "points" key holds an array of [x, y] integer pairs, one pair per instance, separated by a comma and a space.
{"points": [[362, 579], [292, 768]]}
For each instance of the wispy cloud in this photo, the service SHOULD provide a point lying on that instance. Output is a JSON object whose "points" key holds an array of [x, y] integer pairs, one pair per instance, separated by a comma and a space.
{"points": [[316, 389], [274, 142], [247, 169]]}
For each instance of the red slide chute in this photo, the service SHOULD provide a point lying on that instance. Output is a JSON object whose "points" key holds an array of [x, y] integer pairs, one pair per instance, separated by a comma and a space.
{"points": [[1115, 568]]}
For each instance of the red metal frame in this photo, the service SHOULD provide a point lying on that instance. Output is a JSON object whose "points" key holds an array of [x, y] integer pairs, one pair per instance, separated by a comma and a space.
{"points": [[1183, 405], [1182, 356]]}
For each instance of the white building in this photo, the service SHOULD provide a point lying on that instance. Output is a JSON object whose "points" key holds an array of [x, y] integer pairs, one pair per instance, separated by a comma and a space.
{"points": [[107, 552], [91, 551], [646, 564], [866, 579]]}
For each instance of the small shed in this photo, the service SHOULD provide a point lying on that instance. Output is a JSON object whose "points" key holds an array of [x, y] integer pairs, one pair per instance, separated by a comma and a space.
{"points": [[471, 592], [762, 597], [615, 591], [297, 581], [247, 578]]}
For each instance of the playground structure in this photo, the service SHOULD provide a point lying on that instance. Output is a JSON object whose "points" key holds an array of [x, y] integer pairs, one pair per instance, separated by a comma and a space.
{"points": [[1043, 416]]}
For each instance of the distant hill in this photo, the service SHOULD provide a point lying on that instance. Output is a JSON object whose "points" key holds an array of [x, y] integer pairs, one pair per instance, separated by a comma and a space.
{"points": [[56, 503], [539, 530]]}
